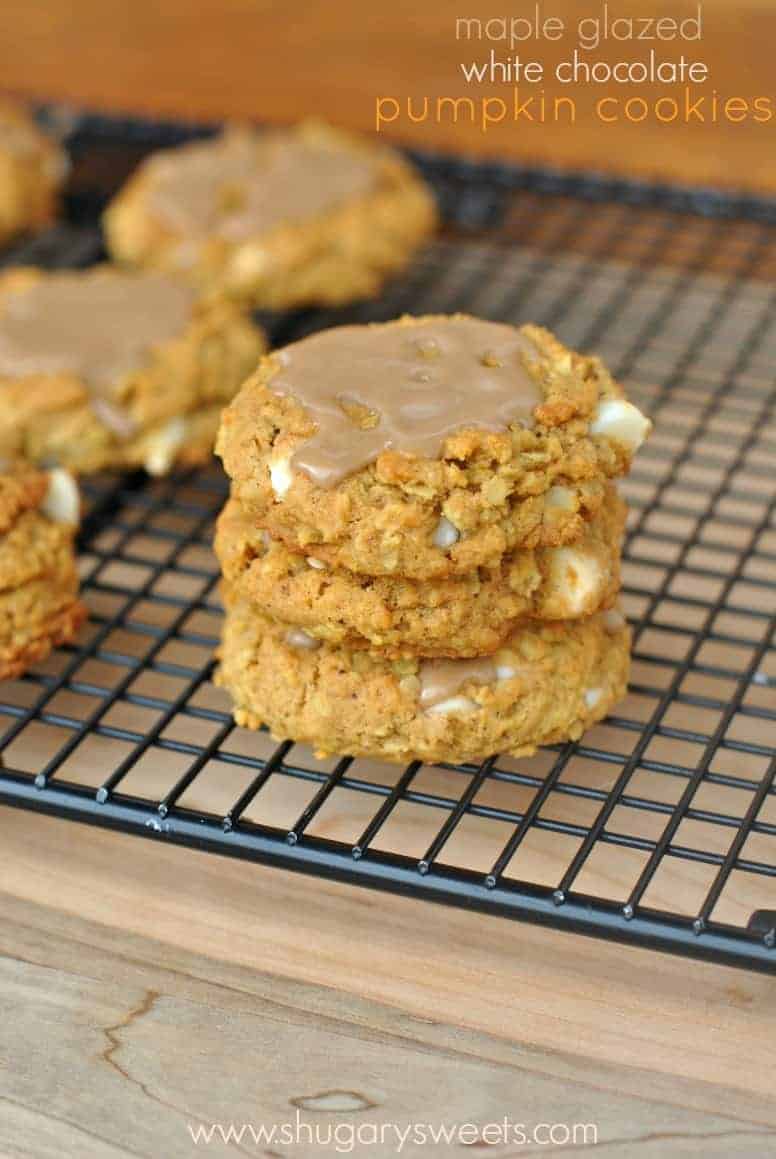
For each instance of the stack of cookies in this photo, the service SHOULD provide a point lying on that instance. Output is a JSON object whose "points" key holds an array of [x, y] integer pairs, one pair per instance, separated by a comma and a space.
{"points": [[421, 548]]}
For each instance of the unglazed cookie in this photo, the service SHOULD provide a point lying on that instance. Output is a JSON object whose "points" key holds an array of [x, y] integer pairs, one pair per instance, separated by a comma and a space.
{"points": [[548, 683], [32, 168], [109, 369], [427, 447], [275, 219], [467, 615], [39, 606]]}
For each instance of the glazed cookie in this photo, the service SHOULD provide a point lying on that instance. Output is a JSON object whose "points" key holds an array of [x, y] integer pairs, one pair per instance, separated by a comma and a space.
{"points": [[275, 219], [32, 168], [548, 683], [39, 606], [427, 447], [467, 615], [107, 369]]}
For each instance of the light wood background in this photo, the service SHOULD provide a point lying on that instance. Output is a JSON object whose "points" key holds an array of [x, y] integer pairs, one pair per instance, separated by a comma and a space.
{"points": [[278, 61], [146, 987]]}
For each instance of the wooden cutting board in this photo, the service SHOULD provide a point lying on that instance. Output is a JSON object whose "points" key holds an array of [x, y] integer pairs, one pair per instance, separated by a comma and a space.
{"points": [[149, 988]]}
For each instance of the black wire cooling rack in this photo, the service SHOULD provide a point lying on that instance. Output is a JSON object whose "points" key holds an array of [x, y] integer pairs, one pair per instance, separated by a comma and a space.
{"points": [[659, 827]]}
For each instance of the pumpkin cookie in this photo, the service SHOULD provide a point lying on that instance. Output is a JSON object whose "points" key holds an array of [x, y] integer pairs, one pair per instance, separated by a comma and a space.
{"points": [[39, 606], [107, 369], [275, 219], [427, 447], [467, 615], [547, 683]]}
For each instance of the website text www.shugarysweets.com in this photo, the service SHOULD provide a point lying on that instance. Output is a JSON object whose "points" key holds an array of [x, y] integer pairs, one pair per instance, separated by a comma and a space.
{"points": [[523, 90], [343, 1137]]}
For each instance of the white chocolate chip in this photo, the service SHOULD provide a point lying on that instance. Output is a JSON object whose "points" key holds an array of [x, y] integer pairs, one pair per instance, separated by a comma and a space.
{"points": [[247, 263], [558, 496], [621, 420], [296, 638], [162, 446], [62, 503], [614, 621], [318, 564], [507, 664], [446, 534], [281, 476], [592, 697], [452, 704], [577, 578]]}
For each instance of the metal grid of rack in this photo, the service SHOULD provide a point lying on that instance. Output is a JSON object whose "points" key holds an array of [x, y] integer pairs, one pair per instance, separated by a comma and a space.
{"points": [[659, 826]]}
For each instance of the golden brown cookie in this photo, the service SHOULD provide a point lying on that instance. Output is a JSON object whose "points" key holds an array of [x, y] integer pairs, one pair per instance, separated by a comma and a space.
{"points": [[109, 369], [548, 683], [275, 219], [467, 615], [39, 606], [32, 169], [427, 447]]}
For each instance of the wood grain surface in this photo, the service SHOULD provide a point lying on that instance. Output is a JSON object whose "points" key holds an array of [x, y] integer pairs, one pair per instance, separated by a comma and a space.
{"points": [[147, 989], [278, 62]]}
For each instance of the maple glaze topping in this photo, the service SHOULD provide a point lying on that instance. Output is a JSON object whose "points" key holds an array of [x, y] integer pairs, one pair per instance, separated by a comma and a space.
{"points": [[245, 183], [97, 326], [404, 388]]}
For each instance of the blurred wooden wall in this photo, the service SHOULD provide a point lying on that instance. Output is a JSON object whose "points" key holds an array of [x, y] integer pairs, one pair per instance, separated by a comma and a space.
{"points": [[279, 61]]}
